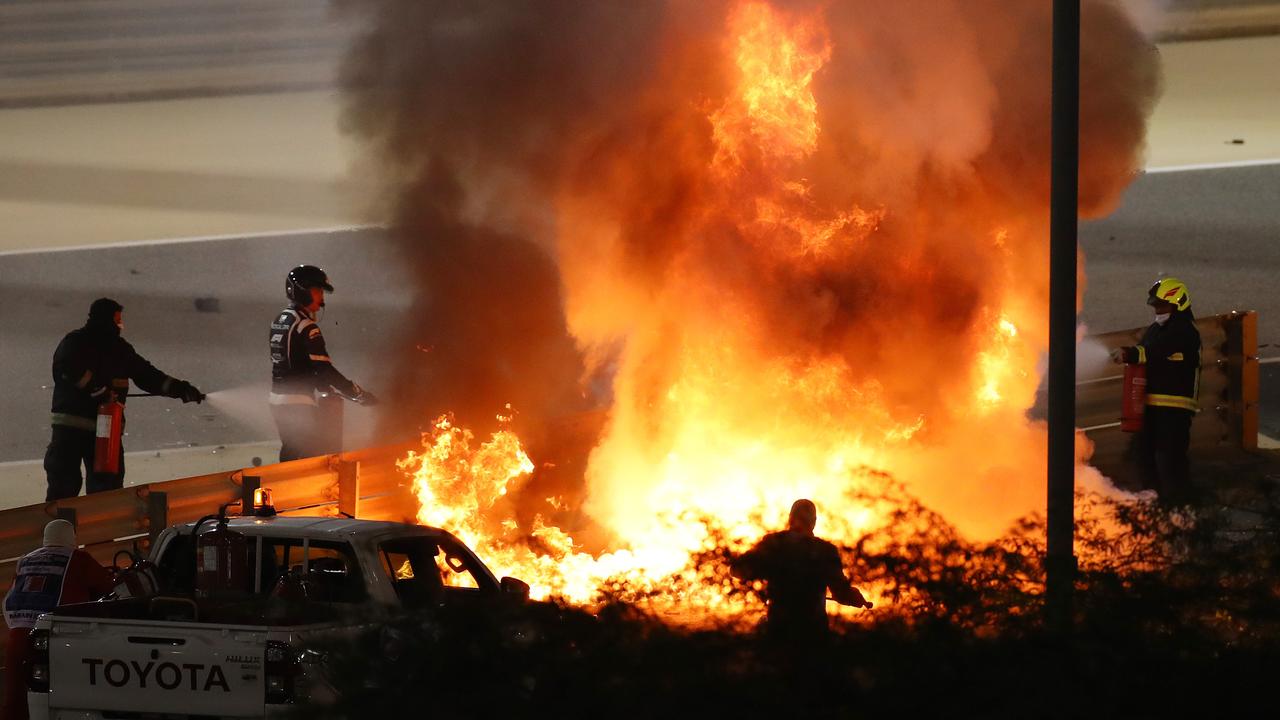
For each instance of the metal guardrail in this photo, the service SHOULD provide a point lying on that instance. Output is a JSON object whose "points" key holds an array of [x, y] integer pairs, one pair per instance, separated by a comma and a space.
{"points": [[363, 483]]}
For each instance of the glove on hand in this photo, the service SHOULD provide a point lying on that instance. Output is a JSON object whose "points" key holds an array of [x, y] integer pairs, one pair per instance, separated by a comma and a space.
{"points": [[1117, 355], [186, 392], [358, 394]]}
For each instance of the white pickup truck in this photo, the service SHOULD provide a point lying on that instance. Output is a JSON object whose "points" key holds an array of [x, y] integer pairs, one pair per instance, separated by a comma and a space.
{"points": [[173, 655]]}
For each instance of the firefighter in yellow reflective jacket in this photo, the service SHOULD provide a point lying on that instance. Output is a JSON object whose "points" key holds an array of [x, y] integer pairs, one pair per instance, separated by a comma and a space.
{"points": [[1170, 350]]}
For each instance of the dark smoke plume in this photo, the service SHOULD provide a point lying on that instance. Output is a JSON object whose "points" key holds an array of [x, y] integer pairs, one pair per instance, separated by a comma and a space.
{"points": [[465, 105], [501, 124]]}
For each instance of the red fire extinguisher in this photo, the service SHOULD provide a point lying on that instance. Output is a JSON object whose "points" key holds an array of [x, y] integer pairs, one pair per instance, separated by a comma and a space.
{"points": [[1134, 402], [221, 559], [106, 449]]}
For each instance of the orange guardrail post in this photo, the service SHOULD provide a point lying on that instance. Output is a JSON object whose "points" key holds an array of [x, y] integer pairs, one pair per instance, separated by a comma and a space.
{"points": [[1242, 365], [349, 488], [157, 513], [248, 486]]}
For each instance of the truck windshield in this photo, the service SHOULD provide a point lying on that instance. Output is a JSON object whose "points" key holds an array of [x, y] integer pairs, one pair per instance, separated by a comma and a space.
{"points": [[422, 570]]}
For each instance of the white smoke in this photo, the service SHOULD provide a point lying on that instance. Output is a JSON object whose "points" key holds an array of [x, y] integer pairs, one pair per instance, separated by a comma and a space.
{"points": [[246, 405], [1092, 357]]}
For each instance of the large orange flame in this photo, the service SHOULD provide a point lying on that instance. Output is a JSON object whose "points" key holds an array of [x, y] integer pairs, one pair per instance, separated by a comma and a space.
{"points": [[771, 337]]}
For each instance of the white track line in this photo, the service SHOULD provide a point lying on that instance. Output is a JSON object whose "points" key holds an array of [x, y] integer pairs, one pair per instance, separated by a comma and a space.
{"points": [[195, 239], [1213, 166]]}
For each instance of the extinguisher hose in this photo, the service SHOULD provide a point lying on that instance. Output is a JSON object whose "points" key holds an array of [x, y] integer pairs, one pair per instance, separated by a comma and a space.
{"points": [[221, 515], [195, 530]]}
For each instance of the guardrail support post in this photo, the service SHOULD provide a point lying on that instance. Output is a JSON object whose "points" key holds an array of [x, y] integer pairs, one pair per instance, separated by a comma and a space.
{"points": [[349, 488], [248, 485], [1242, 364], [157, 514], [68, 514]]}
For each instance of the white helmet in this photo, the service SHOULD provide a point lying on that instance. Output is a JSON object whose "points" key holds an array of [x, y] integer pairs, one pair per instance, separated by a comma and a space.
{"points": [[60, 533]]}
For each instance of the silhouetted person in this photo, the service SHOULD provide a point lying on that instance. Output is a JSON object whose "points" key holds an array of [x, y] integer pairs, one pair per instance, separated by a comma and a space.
{"points": [[798, 569]]}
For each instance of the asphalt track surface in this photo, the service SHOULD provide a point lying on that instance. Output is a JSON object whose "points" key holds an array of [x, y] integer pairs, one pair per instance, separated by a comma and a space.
{"points": [[200, 310]]}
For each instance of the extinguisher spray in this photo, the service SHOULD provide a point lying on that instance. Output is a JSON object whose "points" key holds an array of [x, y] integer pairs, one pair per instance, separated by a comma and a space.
{"points": [[106, 448], [1134, 402]]}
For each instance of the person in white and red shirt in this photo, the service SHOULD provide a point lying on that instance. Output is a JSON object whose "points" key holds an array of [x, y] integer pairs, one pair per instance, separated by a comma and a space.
{"points": [[55, 574]]}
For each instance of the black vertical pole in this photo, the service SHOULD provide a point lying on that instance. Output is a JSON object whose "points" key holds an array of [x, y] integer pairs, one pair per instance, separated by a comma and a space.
{"points": [[1060, 562]]}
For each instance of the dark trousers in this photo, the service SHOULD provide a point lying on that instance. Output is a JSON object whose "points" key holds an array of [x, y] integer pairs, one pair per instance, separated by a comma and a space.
{"points": [[69, 450], [16, 651], [301, 431], [1162, 452]]}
